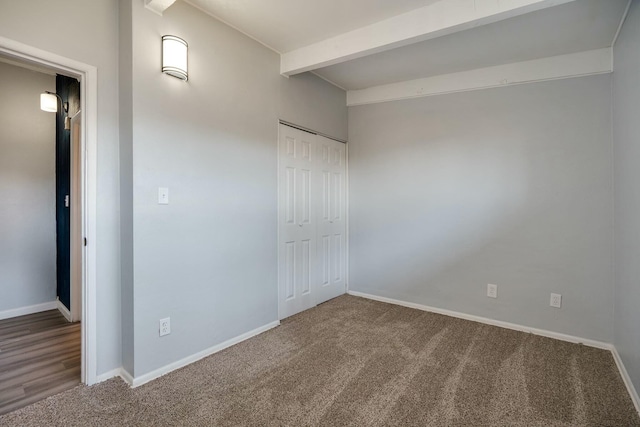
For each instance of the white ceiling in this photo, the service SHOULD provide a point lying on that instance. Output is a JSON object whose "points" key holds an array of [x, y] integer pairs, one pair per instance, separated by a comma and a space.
{"points": [[573, 27], [286, 25]]}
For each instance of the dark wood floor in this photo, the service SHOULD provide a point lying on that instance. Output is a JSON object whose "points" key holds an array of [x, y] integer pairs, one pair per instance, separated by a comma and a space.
{"points": [[39, 357]]}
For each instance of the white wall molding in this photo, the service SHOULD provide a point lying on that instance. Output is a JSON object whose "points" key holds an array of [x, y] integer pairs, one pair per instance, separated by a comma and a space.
{"points": [[22, 311], [435, 20], [553, 68], [488, 321], [126, 376], [627, 379], [64, 310], [118, 372], [158, 6], [108, 375], [157, 373]]}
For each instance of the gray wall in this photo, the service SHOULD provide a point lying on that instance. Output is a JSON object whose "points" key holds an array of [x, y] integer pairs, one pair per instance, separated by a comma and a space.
{"points": [[208, 259], [27, 189], [510, 186], [87, 31], [626, 128]]}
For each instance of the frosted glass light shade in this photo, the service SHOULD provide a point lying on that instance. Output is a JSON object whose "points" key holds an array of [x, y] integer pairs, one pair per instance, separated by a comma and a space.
{"points": [[174, 57], [48, 102]]}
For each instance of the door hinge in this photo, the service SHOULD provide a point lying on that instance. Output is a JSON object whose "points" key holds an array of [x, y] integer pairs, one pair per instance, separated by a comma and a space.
{"points": [[85, 241], [66, 201]]}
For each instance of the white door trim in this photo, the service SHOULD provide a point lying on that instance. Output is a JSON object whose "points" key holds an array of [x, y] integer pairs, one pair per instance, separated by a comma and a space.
{"points": [[75, 300], [88, 76], [278, 218], [295, 126], [346, 210]]}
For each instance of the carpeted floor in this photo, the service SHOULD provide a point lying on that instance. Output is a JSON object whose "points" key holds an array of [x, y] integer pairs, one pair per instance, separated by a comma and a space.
{"points": [[353, 361]]}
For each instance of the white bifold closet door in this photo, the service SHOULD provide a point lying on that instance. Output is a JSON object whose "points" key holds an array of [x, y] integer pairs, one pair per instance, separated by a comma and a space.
{"points": [[332, 224], [312, 220]]}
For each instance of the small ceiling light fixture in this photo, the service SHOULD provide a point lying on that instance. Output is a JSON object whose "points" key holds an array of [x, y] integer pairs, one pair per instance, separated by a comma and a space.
{"points": [[174, 57], [49, 103]]}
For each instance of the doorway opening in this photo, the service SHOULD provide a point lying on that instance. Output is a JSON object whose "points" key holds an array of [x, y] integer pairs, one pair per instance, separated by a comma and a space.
{"points": [[40, 351], [81, 127]]}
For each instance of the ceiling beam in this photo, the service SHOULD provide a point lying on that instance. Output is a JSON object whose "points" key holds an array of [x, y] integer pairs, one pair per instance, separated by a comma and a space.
{"points": [[435, 20], [158, 6], [580, 64]]}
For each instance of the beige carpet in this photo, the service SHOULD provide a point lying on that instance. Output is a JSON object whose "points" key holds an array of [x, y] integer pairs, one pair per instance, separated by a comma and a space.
{"points": [[353, 361]]}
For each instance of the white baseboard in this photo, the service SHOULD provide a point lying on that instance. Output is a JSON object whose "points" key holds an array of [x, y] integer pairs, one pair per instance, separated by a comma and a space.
{"points": [[64, 310], [627, 379], [143, 379], [126, 376], [486, 320], [108, 375], [21, 311], [118, 372]]}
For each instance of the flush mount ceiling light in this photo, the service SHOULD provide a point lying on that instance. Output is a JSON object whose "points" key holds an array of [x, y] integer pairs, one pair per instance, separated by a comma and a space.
{"points": [[174, 57]]}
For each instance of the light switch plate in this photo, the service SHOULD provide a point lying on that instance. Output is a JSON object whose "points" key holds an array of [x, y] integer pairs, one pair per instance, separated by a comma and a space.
{"points": [[163, 196], [492, 291]]}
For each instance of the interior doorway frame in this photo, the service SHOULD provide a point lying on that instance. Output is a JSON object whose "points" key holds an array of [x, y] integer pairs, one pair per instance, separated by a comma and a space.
{"points": [[88, 77], [75, 232]]}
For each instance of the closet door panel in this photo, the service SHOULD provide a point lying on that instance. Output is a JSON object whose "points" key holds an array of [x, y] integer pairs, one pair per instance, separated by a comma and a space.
{"points": [[297, 242], [331, 223]]}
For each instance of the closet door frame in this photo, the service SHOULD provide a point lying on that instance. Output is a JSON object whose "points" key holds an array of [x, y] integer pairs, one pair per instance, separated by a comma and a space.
{"points": [[280, 213]]}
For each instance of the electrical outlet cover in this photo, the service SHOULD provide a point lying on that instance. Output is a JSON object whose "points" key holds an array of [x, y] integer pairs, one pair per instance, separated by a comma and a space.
{"points": [[556, 301], [165, 326]]}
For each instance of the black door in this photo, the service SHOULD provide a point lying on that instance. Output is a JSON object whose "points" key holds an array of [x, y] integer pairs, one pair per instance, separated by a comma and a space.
{"points": [[69, 90]]}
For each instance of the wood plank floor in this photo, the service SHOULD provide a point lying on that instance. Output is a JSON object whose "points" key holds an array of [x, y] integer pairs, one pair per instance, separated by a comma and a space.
{"points": [[39, 357]]}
